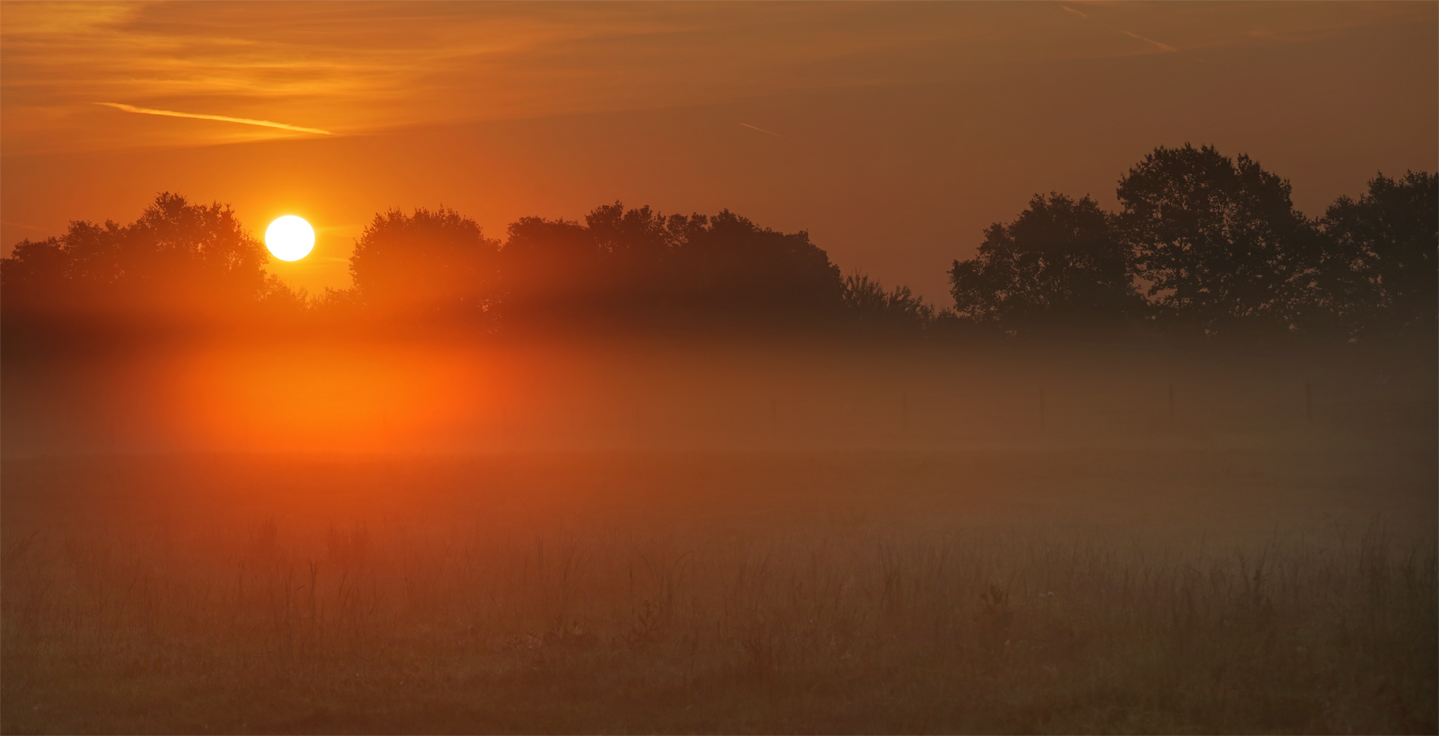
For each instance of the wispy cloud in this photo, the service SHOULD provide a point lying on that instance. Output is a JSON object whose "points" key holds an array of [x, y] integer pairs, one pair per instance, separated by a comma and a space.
{"points": [[1161, 46], [221, 118], [1156, 44], [355, 69], [762, 130]]}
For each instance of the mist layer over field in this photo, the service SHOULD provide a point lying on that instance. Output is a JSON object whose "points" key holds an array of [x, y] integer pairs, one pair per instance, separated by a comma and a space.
{"points": [[432, 396], [746, 538]]}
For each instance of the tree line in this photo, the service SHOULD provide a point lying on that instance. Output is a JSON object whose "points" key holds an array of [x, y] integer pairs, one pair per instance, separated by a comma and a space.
{"points": [[1202, 245], [1206, 244]]}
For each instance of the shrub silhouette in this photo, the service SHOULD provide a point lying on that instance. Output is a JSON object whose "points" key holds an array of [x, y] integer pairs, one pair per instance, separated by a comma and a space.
{"points": [[870, 304]]}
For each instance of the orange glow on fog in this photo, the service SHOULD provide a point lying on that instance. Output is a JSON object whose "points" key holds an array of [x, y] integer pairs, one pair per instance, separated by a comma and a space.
{"points": [[296, 398]]}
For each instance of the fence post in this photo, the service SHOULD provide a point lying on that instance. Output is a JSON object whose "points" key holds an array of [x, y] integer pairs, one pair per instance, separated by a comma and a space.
{"points": [[1041, 410], [1308, 403], [1171, 404]]}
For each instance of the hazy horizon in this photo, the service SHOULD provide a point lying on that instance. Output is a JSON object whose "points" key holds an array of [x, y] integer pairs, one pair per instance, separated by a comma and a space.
{"points": [[893, 133]]}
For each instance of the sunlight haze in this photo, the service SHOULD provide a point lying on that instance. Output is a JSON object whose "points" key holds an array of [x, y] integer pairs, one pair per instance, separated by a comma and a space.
{"points": [[719, 367], [893, 133]]}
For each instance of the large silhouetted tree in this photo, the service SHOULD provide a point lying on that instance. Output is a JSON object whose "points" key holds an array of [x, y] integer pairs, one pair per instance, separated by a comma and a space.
{"points": [[432, 263], [1217, 241], [1059, 265], [179, 261], [1379, 270]]}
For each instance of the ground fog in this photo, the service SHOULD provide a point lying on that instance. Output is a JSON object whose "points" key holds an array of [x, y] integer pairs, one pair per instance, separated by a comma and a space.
{"points": [[1241, 565]]}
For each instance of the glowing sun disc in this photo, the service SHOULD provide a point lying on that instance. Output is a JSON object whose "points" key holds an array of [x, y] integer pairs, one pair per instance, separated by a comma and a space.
{"points": [[290, 238]]}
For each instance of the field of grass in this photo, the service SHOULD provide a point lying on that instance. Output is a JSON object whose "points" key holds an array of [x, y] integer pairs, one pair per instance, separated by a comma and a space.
{"points": [[1179, 587]]}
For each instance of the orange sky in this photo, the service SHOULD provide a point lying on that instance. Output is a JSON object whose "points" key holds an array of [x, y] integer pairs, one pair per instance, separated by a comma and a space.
{"points": [[893, 132]]}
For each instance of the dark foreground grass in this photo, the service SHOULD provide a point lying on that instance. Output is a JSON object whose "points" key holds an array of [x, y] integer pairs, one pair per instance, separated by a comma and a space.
{"points": [[242, 617]]}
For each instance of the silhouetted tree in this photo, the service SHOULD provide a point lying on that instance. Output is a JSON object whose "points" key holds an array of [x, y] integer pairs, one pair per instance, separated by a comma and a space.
{"points": [[177, 262], [635, 265], [1218, 242], [550, 268], [432, 262], [1059, 265], [635, 237], [38, 276], [869, 303], [639, 266], [732, 266], [1379, 268]]}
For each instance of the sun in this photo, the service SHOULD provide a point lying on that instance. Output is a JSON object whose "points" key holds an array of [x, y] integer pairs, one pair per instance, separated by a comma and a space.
{"points": [[290, 238]]}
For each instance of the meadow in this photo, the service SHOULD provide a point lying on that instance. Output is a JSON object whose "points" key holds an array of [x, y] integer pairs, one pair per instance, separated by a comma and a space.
{"points": [[1260, 575]]}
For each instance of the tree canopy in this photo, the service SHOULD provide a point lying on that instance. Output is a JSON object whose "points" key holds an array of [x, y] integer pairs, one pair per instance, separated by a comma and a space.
{"points": [[1217, 241], [636, 264], [1059, 265], [1379, 272], [1205, 244], [430, 262], [178, 261]]}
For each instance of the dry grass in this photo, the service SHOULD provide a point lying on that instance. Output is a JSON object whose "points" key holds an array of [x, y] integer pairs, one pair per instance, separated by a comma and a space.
{"points": [[521, 595]]}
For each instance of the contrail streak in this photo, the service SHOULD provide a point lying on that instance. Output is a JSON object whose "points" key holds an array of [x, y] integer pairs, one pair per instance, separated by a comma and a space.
{"points": [[1161, 46], [762, 130], [222, 118]]}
